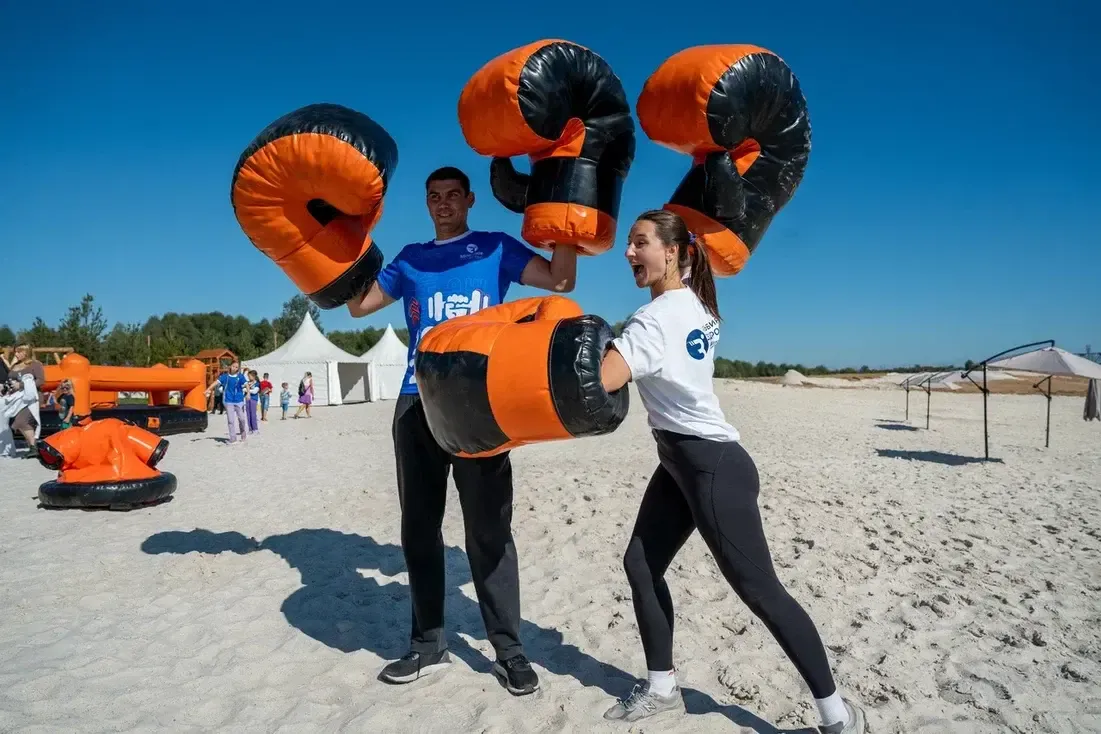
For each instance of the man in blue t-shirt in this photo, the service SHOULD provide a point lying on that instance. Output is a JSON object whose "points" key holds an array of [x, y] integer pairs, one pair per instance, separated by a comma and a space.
{"points": [[458, 273]]}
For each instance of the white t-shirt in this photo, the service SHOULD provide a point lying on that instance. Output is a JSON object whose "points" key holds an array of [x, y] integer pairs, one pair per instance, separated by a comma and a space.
{"points": [[669, 344]]}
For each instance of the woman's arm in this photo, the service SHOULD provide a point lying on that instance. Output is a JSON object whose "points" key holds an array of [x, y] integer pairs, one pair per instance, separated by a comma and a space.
{"points": [[614, 372]]}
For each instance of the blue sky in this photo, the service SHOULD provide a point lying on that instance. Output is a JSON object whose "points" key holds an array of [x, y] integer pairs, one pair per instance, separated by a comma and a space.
{"points": [[945, 213]]}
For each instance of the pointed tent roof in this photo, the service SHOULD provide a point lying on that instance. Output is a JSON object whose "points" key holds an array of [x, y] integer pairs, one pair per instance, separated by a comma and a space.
{"points": [[388, 350], [1050, 361], [307, 345]]}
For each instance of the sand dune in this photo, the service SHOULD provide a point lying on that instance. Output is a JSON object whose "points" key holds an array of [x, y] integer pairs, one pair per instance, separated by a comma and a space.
{"points": [[954, 595]]}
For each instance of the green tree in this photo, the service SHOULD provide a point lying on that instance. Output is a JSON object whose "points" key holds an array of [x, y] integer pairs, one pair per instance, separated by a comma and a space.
{"points": [[294, 311], [83, 327], [126, 345], [7, 336], [39, 335]]}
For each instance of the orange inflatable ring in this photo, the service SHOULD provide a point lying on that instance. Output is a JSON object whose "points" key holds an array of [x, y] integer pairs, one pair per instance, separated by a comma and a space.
{"points": [[516, 374], [739, 112], [104, 464]]}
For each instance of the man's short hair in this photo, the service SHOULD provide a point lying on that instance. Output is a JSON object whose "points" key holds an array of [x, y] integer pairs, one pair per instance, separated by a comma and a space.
{"points": [[449, 173]]}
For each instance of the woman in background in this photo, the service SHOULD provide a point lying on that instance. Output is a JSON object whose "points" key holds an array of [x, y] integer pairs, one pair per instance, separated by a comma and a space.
{"points": [[305, 395], [29, 420]]}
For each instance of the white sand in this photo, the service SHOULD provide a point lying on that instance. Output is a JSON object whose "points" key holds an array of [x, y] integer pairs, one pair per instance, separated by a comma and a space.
{"points": [[954, 597]]}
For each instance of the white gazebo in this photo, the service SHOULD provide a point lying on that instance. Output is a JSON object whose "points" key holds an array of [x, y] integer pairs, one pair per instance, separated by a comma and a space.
{"points": [[338, 377], [386, 365]]}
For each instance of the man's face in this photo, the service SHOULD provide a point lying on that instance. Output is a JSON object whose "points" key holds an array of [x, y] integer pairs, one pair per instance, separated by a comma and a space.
{"points": [[448, 204]]}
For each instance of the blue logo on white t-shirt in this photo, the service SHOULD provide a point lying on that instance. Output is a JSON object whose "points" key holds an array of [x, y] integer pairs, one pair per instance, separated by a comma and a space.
{"points": [[696, 344]]}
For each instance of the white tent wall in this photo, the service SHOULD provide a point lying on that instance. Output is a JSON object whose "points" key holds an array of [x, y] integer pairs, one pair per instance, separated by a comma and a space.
{"points": [[388, 360], [353, 378], [338, 377], [292, 373]]}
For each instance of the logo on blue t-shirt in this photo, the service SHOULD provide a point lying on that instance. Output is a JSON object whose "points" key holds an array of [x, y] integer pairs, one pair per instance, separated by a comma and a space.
{"points": [[441, 281], [696, 344]]}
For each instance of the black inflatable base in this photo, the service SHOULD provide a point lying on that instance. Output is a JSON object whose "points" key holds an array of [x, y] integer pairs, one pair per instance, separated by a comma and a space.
{"points": [[107, 496], [169, 420]]}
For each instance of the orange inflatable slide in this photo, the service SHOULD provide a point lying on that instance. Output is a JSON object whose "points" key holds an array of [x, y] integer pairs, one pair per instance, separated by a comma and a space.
{"points": [[96, 389]]}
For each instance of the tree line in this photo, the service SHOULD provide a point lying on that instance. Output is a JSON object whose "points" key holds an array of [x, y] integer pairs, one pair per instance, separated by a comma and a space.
{"points": [[85, 328]]}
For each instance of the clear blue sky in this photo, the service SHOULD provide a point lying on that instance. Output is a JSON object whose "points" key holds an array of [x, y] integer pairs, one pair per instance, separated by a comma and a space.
{"points": [[947, 211]]}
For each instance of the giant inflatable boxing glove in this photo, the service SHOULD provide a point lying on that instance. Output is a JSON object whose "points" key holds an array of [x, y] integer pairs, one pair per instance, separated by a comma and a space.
{"points": [[562, 106], [307, 192]]}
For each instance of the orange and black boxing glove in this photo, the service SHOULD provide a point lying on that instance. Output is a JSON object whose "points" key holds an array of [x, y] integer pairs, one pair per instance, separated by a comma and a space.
{"points": [[562, 106], [515, 374], [307, 192], [739, 112]]}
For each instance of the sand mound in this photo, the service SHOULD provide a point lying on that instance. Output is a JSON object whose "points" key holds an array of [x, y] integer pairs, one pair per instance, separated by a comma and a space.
{"points": [[793, 377]]}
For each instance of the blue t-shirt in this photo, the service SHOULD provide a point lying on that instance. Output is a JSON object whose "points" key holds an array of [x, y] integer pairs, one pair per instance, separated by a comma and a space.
{"points": [[233, 387], [441, 280]]}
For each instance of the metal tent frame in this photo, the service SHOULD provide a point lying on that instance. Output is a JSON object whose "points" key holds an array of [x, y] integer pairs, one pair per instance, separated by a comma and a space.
{"points": [[985, 390]]}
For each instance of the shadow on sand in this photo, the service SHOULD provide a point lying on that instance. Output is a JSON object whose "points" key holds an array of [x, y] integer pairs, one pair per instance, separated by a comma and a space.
{"points": [[340, 605], [895, 427], [936, 457]]}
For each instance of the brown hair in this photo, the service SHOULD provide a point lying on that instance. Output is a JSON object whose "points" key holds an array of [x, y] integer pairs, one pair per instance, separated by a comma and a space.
{"points": [[671, 230]]}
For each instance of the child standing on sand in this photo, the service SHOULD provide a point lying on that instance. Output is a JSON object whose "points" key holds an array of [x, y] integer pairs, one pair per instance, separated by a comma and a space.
{"points": [[285, 400], [252, 399]]}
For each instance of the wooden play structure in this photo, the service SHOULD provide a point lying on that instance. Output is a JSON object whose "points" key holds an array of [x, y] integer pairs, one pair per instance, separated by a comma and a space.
{"points": [[215, 361]]}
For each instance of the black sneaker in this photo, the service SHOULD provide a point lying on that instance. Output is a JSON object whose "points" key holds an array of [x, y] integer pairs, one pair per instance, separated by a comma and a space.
{"points": [[516, 675], [414, 665]]}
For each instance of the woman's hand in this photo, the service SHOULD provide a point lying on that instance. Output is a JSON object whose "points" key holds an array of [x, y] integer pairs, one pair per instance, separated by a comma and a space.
{"points": [[614, 372]]}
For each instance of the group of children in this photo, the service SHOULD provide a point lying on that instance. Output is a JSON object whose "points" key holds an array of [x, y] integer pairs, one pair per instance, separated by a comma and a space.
{"points": [[242, 392]]}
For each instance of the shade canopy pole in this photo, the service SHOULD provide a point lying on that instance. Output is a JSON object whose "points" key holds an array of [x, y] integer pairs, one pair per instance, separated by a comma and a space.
{"points": [[985, 390], [1046, 394]]}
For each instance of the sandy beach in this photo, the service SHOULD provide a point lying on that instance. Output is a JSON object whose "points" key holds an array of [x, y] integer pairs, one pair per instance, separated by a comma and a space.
{"points": [[954, 595]]}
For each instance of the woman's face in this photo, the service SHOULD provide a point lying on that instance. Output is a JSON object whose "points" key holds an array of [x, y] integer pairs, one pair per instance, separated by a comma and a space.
{"points": [[648, 256], [233, 367], [20, 354]]}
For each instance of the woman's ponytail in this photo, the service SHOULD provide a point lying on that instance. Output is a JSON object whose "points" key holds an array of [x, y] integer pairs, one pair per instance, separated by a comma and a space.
{"points": [[701, 281]]}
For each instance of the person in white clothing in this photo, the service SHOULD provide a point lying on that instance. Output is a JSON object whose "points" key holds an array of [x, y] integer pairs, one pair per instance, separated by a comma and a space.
{"points": [[705, 480]]}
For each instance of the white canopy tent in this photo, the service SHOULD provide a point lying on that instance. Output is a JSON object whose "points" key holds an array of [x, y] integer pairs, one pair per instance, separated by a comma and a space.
{"points": [[386, 365], [1050, 361], [338, 377], [1041, 358]]}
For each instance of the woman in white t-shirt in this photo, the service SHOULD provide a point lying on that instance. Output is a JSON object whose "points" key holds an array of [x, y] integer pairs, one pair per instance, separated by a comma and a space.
{"points": [[705, 480]]}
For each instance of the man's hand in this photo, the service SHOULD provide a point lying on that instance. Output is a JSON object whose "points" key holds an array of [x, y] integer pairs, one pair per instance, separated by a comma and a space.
{"points": [[373, 300], [558, 275]]}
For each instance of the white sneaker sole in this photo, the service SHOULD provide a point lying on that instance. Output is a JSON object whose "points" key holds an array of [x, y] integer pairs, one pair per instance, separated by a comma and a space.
{"points": [[502, 676]]}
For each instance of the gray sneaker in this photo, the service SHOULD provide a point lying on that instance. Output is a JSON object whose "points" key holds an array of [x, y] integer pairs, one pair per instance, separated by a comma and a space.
{"points": [[856, 723], [642, 703]]}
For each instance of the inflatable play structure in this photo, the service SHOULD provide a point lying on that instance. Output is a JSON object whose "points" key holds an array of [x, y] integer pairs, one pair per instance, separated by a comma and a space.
{"points": [[309, 189], [96, 389], [104, 464]]}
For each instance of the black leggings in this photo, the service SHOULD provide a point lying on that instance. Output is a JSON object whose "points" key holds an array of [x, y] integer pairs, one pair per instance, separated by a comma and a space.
{"points": [[712, 486]]}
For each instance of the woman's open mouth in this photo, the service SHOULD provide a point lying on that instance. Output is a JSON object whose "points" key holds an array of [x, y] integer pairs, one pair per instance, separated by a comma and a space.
{"points": [[638, 269]]}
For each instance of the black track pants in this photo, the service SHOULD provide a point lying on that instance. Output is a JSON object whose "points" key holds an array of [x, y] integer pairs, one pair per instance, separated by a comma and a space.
{"points": [[712, 487], [485, 493]]}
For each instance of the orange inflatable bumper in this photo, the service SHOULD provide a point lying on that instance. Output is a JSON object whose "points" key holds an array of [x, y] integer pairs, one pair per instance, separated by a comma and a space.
{"points": [[105, 463]]}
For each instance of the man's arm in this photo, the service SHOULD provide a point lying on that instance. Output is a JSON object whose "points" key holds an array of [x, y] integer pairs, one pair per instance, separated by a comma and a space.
{"points": [[557, 275], [373, 300]]}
